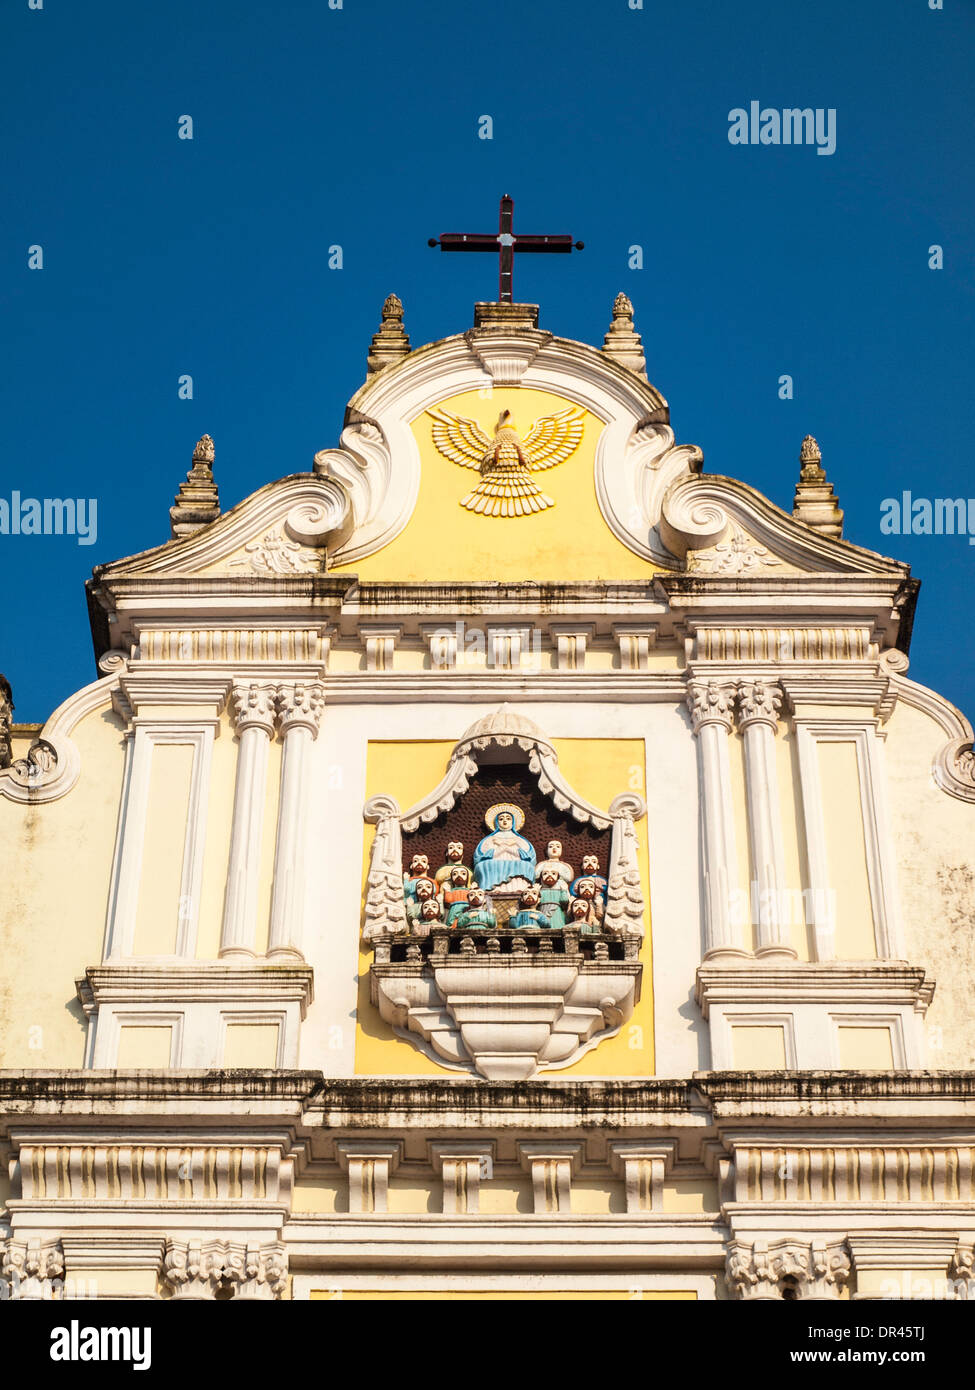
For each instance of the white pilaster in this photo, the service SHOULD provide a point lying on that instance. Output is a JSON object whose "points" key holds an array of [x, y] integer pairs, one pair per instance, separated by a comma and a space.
{"points": [[711, 704], [253, 707], [300, 709], [758, 708]]}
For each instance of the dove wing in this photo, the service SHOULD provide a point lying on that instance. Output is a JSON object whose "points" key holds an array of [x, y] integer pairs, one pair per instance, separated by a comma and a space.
{"points": [[553, 438], [459, 439]]}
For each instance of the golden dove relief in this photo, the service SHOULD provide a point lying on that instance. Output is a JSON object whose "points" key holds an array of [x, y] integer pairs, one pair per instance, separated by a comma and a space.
{"points": [[507, 461]]}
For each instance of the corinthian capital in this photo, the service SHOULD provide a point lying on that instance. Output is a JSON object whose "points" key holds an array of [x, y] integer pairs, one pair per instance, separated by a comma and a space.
{"points": [[194, 1269], [710, 702], [787, 1270], [300, 705], [256, 1271], [29, 1269], [253, 706], [759, 702]]}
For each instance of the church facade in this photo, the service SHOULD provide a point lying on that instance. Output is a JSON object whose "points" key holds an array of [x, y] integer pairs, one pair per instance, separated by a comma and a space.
{"points": [[505, 861]]}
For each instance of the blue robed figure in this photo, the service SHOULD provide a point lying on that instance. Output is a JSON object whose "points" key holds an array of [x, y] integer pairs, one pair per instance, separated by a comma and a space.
{"points": [[504, 854]]}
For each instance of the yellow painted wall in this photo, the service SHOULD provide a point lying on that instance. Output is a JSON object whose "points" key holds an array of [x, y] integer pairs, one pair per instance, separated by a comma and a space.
{"points": [[867, 1048], [146, 1045], [158, 909], [759, 1047], [251, 1045], [846, 851], [444, 541], [691, 1194], [55, 863], [598, 769], [793, 840]]}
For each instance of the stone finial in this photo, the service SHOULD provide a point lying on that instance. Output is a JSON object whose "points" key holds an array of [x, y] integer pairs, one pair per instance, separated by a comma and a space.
{"points": [[392, 341], [198, 501], [622, 341], [6, 713], [815, 502]]}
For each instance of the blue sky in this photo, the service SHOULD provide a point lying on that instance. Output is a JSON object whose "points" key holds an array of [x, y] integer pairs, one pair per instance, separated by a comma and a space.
{"points": [[358, 126]]}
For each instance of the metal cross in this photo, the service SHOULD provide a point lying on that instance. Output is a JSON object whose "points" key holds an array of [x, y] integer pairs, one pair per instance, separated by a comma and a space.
{"points": [[506, 244]]}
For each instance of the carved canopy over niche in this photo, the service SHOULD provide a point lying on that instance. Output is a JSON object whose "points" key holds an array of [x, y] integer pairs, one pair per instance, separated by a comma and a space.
{"points": [[513, 992]]}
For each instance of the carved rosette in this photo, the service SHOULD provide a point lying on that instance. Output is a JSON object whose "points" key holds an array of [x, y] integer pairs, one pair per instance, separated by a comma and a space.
{"points": [[954, 770], [300, 706], [711, 702], [759, 702], [254, 706], [787, 1270], [37, 766], [29, 1269]]}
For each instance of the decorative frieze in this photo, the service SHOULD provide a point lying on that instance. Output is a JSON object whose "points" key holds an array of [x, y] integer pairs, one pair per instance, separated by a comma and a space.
{"points": [[151, 1173], [235, 646]]}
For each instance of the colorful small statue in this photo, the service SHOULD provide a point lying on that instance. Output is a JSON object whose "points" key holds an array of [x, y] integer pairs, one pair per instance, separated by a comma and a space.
{"points": [[590, 869], [419, 868], [478, 915], [588, 894], [583, 916], [555, 861], [528, 914], [553, 897], [454, 860], [424, 891], [504, 857], [429, 914], [454, 893]]}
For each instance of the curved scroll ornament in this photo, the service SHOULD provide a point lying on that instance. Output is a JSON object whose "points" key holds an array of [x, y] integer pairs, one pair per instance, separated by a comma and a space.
{"points": [[691, 518], [954, 769], [504, 728], [624, 891], [385, 906]]}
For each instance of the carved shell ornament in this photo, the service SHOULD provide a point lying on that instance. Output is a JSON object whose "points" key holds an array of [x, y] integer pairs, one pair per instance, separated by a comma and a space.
{"points": [[507, 461]]}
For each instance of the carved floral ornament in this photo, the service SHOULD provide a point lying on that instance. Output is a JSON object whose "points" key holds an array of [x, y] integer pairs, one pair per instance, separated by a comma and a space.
{"points": [[787, 1270], [717, 702], [555, 946]]}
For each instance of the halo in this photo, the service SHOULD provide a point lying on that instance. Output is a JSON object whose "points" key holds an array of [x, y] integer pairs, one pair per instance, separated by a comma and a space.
{"points": [[493, 812]]}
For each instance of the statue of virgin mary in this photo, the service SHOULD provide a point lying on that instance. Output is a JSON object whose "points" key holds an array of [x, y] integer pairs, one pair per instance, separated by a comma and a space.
{"points": [[504, 859]]}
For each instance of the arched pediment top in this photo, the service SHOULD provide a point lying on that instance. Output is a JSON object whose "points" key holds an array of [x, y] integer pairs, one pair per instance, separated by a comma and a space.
{"points": [[714, 524], [517, 738], [284, 528]]}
